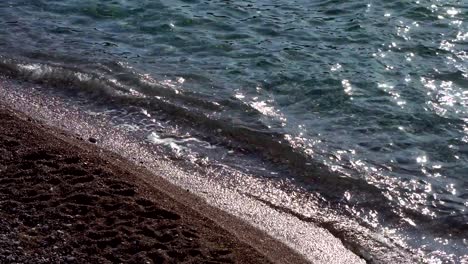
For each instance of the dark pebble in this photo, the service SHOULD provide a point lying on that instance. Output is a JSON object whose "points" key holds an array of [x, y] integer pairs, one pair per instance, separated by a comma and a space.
{"points": [[92, 140]]}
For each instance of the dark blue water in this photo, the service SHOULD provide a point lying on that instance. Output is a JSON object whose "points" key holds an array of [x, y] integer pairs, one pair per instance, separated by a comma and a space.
{"points": [[365, 102]]}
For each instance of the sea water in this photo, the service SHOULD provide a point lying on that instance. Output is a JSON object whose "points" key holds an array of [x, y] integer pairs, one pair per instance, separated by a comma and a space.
{"points": [[363, 104]]}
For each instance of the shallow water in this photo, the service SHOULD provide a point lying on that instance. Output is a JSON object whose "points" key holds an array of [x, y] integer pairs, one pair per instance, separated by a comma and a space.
{"points": [[364, 104]]}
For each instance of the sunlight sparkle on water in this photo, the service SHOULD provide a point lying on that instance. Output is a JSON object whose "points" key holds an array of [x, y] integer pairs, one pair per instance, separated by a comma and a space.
{"points": [[336, 67], [453, 12], [421, 159], [347, 87]]}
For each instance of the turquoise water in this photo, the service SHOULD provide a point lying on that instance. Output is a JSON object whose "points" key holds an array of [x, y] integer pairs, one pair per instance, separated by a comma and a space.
{"points": [[373, 91]]}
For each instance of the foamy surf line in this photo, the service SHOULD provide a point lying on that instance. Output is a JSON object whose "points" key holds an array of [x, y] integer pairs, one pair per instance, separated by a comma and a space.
{"points": [[317, 244], [65, 200]]}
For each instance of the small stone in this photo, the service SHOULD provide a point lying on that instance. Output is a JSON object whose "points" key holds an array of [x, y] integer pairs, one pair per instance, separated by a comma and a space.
{"points": [[70, 259], [92, 140]]}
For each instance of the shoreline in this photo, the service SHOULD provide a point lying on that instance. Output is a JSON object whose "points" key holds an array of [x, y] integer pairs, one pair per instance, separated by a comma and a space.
{"points": [[227, 192], [88, 195]]}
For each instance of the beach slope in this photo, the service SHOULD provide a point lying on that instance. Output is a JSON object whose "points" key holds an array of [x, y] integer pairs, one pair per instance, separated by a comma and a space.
{"points": [[64, 200]]}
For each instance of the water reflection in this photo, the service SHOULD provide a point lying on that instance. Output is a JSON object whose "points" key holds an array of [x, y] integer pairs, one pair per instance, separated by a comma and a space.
{"points": [[375, 91]]}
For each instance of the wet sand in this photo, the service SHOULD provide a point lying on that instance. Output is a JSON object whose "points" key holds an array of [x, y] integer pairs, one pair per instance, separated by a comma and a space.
{"points": [[64, 200]]}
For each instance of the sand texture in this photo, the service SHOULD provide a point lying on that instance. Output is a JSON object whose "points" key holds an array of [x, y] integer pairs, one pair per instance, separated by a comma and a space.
{"points": [[64, 200]]}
